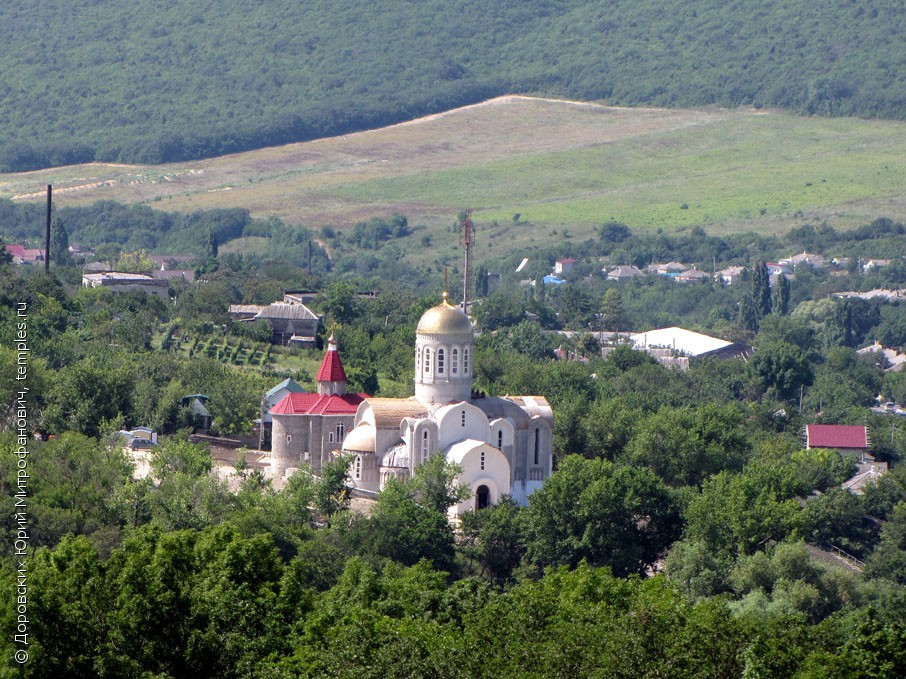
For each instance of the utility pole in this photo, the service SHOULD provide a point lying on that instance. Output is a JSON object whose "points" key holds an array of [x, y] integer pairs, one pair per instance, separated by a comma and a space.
{"points": [[467, 239], [47, 230]]}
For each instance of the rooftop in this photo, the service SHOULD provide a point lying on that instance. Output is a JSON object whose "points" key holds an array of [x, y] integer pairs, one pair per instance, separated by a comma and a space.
{"points": [[836, 436], [684, 341], [318, 404]]}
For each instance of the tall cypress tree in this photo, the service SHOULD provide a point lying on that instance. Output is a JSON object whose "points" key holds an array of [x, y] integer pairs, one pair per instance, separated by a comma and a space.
{"points": [[780, 297], [761, 289], [748, 316]]}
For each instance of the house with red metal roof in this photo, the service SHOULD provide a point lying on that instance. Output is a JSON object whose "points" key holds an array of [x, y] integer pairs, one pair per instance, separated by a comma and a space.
{"points": [[309, 426], [564, 265], [24, 255], [845, 438]]}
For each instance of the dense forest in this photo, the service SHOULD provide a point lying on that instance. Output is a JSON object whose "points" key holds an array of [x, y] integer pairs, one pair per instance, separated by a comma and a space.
{"points": [[126, 82], [678, 536]]}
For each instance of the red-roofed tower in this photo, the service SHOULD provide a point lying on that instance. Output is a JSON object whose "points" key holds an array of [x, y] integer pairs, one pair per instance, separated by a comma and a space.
{"points": [[331, 376]]}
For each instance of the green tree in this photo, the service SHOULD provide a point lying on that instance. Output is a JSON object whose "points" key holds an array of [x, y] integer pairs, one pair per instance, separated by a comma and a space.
{"points": [[403, 529], [494, 537], [889, 559], [613, 315], [481, 282], [747, 319], [59, 244], [780, 296], [435, 484], [338, 302], [761, 289], [737, 512], [331, 494], [179, 456], [606, 514], [778, 369], [684, 446]]}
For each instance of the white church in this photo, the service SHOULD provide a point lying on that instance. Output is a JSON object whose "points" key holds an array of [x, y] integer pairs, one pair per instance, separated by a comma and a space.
{"points": [[501, 444]]}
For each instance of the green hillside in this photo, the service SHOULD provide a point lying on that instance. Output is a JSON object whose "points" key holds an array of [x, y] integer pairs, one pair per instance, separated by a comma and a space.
{"points": [[131, 82]]}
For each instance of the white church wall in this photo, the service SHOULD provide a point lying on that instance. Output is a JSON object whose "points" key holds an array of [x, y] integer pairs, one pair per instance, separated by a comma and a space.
{"points": [[460, 421], [482, 465]]}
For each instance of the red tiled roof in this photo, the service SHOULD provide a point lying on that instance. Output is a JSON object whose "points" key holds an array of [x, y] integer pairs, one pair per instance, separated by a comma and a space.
{"points": [[311, 403], [836, 436], [15, 250], [331, 369]]}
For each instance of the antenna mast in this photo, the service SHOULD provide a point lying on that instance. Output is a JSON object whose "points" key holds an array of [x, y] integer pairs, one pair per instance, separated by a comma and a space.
{"points": [[467, 239]]}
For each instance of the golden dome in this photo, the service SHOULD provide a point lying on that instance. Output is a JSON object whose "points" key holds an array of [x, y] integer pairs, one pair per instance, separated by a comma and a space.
{"points": [[444, 319]]}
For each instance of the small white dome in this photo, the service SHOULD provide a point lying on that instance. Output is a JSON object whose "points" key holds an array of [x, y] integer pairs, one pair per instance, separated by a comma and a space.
{"points": [[360, 440]]}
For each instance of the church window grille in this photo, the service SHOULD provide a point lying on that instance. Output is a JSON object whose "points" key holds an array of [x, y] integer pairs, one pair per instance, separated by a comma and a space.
{"points": [[537, 446], [358, 466], [418, 359], [425, 443], [440, 361], [427, 360], [341, 431], [465, 361], [482, 460], [463, 418], [454, 361], [500, 439]]}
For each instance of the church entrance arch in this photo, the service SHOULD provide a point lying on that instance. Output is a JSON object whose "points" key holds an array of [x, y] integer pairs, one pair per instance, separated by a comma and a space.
{"points": [[482, 497]]}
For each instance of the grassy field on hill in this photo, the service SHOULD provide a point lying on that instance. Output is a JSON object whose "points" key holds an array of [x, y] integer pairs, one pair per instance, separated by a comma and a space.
{"points": [[563, 167]]}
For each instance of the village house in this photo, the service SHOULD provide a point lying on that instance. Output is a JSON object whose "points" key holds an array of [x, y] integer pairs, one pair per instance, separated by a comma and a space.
{"points": [[624, 273], [890, 359], [851, 439], [731, 275], [292, 324], [804, 259], [874, 264], [668, 269], [120, 281], [23, 255], [564, 266], [692, 275]]}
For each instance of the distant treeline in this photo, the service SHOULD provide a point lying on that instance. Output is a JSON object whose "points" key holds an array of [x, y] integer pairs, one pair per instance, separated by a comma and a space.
{"points": [[131, 82]]}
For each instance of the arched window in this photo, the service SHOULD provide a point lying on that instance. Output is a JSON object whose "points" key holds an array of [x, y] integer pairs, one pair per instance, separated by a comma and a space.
{"points": [[427, 360], [500, 439], [424, 445], [341, 431], [537, 446], [358, 466], [418, 359], [465, 361], [454, 366], [440, 361], [330, 437]]}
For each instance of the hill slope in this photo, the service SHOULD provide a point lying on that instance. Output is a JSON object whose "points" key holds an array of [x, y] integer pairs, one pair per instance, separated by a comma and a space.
{"points": [[563, 166], [104, 80]]}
